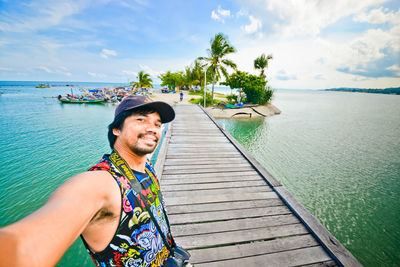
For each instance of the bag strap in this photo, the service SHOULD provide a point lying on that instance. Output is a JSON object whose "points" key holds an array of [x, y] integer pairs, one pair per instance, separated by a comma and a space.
{"points": [[137, 187]]}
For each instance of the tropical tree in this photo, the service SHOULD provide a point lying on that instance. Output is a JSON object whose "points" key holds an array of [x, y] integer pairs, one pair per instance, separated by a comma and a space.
{"points": [[197, 73], [255, 87], [144, 80], [171, 79], [216, 60], [261, 63], [187, 78]]}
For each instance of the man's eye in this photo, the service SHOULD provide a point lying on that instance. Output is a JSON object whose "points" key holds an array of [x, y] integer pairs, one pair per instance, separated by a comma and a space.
{"points": [[140, 119]]}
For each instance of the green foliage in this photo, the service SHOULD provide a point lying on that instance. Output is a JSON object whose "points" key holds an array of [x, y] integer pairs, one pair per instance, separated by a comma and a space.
{"points": [[200, 101], [254, 87], [172, 79], [261, 63], [144, 80], [236, 80], [232, 99], [201, 92], [216, 60]]}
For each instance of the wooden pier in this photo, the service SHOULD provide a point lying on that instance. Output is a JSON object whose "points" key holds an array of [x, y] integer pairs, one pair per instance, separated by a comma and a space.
{"points": [[227, 210]]}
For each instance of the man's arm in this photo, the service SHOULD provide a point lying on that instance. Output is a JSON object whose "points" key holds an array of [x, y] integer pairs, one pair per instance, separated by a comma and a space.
{"points": [[42, 238]]}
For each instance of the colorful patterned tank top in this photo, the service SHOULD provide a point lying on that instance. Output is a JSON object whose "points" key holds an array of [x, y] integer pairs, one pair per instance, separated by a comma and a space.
{"points": [[136, 241]]}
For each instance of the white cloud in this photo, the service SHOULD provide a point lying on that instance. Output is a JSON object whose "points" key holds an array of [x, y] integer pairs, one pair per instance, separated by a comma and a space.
{"points": [[220, 14], [254, 26], [135, 5], [105, 53], [45, 69], [395, 68], [5, 69], [369, 47], [56, 70], [130, 73], [149, 70], [379, 16], [310, 16], [45, 15], [96, 75], [241, 13]]}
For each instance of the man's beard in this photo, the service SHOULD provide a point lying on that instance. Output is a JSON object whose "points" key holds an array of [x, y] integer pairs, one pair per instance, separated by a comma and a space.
{"points": [[143, 150]]}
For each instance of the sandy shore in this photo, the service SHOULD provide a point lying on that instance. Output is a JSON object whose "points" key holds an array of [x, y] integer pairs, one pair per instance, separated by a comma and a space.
{"points": [[172, 98], [254, 112]]}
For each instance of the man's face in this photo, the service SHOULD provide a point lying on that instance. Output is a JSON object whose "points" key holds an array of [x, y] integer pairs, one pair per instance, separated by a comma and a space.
{"points": [[140, 133]]}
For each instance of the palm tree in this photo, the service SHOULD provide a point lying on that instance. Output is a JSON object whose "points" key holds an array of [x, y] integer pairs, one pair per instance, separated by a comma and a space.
{"points": [[262, 63], [144, 80], [197, 73], [219, 49]]}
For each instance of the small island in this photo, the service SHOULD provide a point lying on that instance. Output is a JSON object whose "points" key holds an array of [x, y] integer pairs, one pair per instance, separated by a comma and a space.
{"points": [[388, 91]]}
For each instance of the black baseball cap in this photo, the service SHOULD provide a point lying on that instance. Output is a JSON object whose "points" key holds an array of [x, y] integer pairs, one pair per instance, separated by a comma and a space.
{"points": [[165, 111]]}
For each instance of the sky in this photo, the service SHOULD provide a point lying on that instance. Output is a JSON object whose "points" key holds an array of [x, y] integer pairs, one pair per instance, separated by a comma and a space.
{"points": [[315, 44]]}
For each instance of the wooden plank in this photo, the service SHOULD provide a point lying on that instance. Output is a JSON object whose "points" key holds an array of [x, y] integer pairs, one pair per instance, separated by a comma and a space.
{"points": [[199, 123], [204, 143], [236, 175], [196, 154], [200, 145], [295, 257], [334, 247], [216, 166], [198, 199], [208, 134], [207, 170], [237, 237], [201, 150], [183, 139], [201, 161], [233, 225], [226, 215], [251, 249], [235, 184], [223, 191], [224, 206], [196, 128], [321, 264], [166, 180]]}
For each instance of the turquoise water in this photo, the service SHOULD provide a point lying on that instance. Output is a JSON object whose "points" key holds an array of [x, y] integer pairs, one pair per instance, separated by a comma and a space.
{"points": [[43, 143], [339, 155]]}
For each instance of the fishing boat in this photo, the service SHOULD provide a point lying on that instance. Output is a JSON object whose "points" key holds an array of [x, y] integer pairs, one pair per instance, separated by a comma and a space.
{"points": [[80, 101], [42, 85]]}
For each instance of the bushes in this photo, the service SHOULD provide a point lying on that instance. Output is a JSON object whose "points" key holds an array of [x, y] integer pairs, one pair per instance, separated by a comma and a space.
{"points": [[255, 87], [200, 101], [232, 99]]}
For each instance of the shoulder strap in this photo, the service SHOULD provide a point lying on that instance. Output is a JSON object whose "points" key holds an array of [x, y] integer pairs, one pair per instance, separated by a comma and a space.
{"points": [[137, 187]]}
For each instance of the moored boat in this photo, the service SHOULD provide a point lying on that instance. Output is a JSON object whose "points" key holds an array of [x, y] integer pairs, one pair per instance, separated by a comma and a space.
{"points": [[80, 101], [42, 85]]}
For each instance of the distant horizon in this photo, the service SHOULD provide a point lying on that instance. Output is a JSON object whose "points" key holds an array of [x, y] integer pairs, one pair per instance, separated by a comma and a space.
{"points": [[223, 86]]}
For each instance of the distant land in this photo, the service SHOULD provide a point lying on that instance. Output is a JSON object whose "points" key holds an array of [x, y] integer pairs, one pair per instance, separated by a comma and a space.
{"points": [[389, 91]]}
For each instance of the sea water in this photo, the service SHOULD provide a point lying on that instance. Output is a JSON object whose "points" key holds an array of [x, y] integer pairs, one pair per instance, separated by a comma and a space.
{"points": [[337, 153]]}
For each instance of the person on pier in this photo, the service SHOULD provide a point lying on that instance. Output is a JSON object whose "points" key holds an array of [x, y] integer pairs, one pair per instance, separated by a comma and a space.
{"points": [[116, 207]]}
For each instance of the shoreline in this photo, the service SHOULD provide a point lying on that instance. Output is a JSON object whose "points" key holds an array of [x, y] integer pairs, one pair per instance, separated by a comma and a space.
{"points": [[260, 111]]}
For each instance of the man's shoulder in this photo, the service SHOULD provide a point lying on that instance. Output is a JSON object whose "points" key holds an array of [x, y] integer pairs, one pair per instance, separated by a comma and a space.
{"points": [[103, 164], [96, 180]]}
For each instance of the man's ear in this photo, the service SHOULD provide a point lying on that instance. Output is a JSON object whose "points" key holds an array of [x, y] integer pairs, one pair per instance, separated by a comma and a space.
{"points": [[116, 132]]}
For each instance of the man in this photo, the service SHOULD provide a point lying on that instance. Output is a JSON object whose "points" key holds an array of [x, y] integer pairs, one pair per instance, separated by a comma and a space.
{"points": [[113, 206]]}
